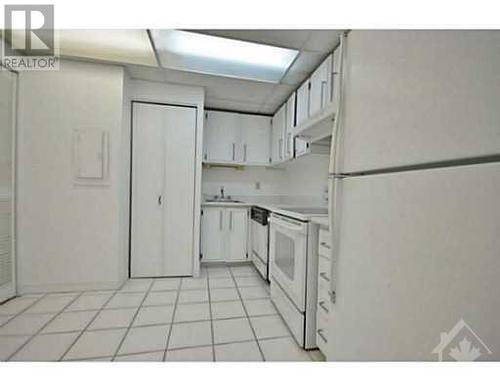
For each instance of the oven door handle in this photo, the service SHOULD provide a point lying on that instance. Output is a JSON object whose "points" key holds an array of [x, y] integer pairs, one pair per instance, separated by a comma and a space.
{"points": [[289, 226]]}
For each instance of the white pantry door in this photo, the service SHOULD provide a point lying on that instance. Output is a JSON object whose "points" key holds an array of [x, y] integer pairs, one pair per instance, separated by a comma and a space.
{"points": [[7, 256], [163, 166]]}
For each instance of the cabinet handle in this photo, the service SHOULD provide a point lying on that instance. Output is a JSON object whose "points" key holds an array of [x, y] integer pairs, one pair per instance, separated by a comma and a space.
{"points": [[323, 85], [323, 306], [245, 153], [159, 200], [324, 277], [234, 152], [220, 220], [320, 333], [324, 244], [231, 220]]}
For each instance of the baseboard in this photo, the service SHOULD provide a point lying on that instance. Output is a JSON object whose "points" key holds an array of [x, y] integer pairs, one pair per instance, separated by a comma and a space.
{"points": [[62, 288]]}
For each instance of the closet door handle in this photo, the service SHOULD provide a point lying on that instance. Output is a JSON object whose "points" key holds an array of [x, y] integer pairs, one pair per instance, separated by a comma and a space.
{"points": [[220, 220]]}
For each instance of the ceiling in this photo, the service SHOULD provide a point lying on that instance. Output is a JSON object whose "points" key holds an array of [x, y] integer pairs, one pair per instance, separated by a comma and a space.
{"points": [[253, 96], [124, 47]]}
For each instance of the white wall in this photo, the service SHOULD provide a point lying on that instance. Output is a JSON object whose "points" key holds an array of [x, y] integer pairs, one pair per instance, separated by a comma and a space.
{"points": [[69, 235], [301, 179], [243, 181]]}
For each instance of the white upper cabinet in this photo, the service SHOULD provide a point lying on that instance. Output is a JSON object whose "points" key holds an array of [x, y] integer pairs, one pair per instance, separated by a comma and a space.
{"points": [[236, 138], [222, 137], [302, 103], [278, 135], [289, 127], [320, 92], [255, 139]]}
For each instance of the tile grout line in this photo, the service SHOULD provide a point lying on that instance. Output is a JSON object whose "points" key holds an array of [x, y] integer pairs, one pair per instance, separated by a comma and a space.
{"points": [[91, 320], [152, 324], [26, 309], [173, 317], [211, 317], [182, 348], [146, 294], [247, 316], [56, 314]]}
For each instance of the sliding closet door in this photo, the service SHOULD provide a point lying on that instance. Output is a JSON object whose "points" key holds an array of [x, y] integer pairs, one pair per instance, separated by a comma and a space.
{"points": [[7, 107], [163, 166]]}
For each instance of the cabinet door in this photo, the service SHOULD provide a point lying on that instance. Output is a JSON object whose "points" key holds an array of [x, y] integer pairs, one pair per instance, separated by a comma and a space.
{"points": [[221, 136], [303, 103], [237, 229], [278, 134], [212, 234], [289, 127], [319, 95], [256, 138]]}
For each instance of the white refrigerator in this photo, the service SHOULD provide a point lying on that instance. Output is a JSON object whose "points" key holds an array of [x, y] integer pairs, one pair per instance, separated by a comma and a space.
{"points": [[415, 197]]}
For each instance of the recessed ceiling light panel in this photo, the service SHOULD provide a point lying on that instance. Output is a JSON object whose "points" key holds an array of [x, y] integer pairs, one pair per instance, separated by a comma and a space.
{"points": [[122, 46], [221, 56]]}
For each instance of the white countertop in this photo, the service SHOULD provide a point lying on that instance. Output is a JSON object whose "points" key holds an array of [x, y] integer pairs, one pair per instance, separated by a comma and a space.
{"points": [[275, 208], [323, 221]]}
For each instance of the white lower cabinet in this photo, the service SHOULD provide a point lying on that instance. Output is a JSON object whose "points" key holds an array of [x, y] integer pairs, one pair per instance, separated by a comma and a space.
{"points": [[224, 234]]}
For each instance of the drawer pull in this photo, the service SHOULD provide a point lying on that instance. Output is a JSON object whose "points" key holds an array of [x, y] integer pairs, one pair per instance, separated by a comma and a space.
{"points": [[324, 277], [320, 333], [323, 306], [326, 245]]}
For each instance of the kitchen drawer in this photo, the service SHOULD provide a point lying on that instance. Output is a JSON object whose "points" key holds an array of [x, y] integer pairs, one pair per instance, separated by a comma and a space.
{"points": [[322, 333], [324, 270], [292, 317], [324, 266], [324, 246], [324, 304]]}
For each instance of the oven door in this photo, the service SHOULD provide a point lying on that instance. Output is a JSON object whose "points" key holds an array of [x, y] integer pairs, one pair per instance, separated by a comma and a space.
{"points": [[260, 238], [288, 257]]}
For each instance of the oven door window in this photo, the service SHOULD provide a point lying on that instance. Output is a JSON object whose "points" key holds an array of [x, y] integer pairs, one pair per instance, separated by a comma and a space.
{"points": [[285, 255]]}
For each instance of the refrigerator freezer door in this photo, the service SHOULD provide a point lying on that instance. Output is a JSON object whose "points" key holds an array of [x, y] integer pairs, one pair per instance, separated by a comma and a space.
{"points": [[417, 252], [416, 97]]}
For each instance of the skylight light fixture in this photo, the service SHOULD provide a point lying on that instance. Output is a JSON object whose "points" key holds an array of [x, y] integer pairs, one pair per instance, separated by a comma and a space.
{"points": [[221, 56]]}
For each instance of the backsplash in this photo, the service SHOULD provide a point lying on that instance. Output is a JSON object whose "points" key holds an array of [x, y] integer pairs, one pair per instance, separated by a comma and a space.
{"points": [[301, 181]]}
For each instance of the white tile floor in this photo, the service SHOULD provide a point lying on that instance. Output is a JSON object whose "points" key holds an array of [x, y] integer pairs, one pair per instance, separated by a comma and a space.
{"points": [[225, 315]]}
